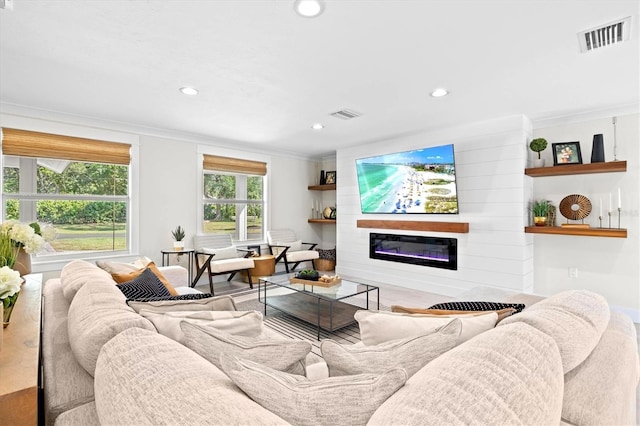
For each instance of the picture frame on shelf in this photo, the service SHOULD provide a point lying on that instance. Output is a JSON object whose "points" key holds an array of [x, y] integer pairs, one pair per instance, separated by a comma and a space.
{"points": [[330, 178], [566, 153]]}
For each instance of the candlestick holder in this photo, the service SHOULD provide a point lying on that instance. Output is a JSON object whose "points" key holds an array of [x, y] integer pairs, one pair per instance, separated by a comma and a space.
{"points": [[619, 214], [600, 220], [609, 214]]}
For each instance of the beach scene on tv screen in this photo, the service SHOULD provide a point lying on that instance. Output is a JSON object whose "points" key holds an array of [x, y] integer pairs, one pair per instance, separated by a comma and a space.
{"points": [[419, 181]]}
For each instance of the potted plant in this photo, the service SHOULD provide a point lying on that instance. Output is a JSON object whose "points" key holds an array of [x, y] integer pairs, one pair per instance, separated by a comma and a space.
{"points": [[178, 236], [540, 209], [538, 145]]}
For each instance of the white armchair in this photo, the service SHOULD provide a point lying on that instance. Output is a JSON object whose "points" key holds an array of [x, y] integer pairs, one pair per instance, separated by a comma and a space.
{"points": [[216, 255], [286, 247]]}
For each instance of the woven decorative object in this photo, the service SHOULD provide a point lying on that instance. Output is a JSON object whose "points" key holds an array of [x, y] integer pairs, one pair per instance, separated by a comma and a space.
{"points": [[575, 207], [327, 259]]}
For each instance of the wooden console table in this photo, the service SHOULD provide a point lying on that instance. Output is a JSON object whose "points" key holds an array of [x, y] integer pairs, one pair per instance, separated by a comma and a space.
{"points": [[19, 358]]}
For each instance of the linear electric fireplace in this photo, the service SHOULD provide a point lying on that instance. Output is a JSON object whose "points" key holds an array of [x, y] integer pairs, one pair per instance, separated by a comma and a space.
{"points": [[417, 250]]}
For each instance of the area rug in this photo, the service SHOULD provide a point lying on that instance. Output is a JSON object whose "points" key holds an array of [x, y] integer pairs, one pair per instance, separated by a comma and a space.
{"points": [[296, 329]]}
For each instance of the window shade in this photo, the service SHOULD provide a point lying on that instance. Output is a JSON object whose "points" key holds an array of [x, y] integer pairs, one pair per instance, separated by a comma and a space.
{"points": [[26, 143], [234, 165]]}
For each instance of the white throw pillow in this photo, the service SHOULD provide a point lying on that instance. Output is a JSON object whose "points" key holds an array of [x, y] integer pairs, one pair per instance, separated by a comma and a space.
{"points": [[411, 353], [380, 326], [333, 401], [221, 253], [208, 342], [247, 323], [121, 267]]}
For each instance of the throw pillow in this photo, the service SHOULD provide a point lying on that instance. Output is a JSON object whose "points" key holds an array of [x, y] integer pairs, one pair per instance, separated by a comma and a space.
{"points": [[128, 276], [121, 267], [502, 313], [332, 401], [411, 353], [186, 302], [575, 319], [209, 343], [293, 246], [248, 323], [146, 284], [379, 326], [221, 253], [478, 306]]}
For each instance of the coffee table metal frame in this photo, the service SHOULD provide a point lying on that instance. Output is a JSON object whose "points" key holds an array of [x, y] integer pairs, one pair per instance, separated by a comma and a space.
{"points": [[305, 300]]}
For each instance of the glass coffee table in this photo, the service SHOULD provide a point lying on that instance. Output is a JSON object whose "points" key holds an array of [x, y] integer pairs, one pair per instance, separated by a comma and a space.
{"points": [[321, 306]]}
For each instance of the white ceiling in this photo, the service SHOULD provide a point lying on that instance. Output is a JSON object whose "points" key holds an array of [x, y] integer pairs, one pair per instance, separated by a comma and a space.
{"points": [[265, 75]]}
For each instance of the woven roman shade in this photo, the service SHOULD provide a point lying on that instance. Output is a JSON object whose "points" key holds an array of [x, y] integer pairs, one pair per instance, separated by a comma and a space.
{"points": [[26, 143], [234, 165]]}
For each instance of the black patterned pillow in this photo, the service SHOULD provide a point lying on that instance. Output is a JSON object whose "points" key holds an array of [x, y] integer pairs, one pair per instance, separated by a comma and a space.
{"points": [[147, 284], [193, 296], [477, 306]]}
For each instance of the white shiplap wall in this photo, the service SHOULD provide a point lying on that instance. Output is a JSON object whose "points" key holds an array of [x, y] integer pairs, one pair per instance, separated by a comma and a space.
{"points": [[493, 195]]}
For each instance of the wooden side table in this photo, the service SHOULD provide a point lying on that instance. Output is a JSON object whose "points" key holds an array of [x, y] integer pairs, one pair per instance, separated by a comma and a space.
{"points": [[19, 358], [265, 266], [188, 252]]}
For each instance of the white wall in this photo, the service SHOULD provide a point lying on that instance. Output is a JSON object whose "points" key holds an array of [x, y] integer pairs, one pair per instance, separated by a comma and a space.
{"points": [[490, 160], [609, 266]]}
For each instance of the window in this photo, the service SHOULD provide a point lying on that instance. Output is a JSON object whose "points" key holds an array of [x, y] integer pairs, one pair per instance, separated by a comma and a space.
{"points": [[80, 186], [233, 199]]}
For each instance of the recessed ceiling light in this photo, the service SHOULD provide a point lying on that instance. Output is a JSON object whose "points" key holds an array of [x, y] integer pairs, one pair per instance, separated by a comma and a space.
{"points": [[438, 93], [318, 126], [191, 91], [309, 8]]}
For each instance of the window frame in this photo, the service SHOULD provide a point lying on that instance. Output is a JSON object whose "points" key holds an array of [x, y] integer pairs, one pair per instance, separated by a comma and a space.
{"points": [[56, 262], [202, 201]]}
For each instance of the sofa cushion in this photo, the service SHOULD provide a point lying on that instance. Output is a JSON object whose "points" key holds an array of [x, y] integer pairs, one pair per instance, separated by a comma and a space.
{"points": [[210, 343], [411, 353], [144, 285], [129, 276], [381, 326], [602, 389], [238, 323], [77, 273], [345, 400], [67, 384], [575, 319], [509, 375], [79, 416], [207, 302], [502, 313], [97, 313], [144, 378]]}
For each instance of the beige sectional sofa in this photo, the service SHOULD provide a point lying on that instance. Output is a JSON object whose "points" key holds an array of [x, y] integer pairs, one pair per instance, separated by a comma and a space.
{"points": [[565, 360]]}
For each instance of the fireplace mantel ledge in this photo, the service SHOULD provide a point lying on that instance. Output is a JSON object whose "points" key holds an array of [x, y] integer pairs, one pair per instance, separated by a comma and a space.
{"points": [[415, 225]]}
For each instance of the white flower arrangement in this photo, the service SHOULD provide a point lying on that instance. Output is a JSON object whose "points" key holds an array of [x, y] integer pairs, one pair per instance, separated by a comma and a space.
{"points": [[10, 282], [15, 235]]}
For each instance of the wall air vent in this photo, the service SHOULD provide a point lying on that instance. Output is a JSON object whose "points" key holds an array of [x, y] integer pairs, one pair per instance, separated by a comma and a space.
{"points": [[605, 35], [345, 114]]}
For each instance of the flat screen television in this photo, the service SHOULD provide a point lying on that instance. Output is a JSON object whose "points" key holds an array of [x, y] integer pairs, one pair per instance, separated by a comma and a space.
{"points": [[421, 181]]}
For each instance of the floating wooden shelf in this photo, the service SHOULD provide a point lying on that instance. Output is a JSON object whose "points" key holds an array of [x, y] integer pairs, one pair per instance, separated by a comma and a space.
{"points": [[584, 232], [322, 187], [324, 221], [457, 227], [577, 169]]}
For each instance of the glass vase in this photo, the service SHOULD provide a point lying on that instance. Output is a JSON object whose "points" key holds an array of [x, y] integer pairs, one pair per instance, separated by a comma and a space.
{"points": [[7, 310]]}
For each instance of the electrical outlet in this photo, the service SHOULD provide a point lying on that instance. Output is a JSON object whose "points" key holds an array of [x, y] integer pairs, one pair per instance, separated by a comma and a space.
{"points": [[573, 272]]}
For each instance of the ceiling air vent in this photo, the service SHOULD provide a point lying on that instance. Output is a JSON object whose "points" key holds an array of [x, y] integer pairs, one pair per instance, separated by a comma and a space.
{"points": [[345, 114], [605, 35]]}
